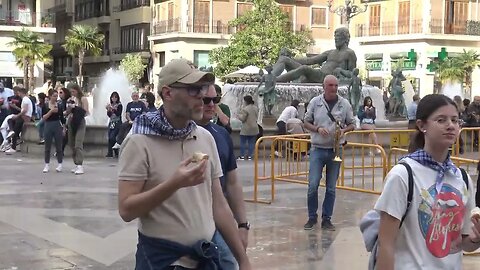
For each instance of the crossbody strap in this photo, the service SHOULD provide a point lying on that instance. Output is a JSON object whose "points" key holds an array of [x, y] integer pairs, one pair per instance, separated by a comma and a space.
{"points": [[410, 190], [465, 177]]}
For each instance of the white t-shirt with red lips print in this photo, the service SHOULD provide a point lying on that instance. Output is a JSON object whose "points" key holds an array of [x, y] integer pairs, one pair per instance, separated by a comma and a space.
{"points": [[431, 236]]}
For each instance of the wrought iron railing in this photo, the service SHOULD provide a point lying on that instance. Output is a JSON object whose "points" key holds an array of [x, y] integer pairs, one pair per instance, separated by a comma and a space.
{"points": [[131, 4], [192, 26], [26, 18], [435, 26]]}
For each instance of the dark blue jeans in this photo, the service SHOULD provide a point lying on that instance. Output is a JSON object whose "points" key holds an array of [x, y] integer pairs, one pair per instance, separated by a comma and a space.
{"points": [[247, 143], [320, 158]]}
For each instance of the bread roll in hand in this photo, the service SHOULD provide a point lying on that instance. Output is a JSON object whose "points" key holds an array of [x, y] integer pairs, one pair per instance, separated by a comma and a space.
{"points": [[476, 213], [198, 157]]}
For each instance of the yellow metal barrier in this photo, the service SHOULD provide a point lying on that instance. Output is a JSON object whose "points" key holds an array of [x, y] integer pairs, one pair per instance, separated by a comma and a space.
{"points": [[293, 166], [397, 137], [465, 141]]}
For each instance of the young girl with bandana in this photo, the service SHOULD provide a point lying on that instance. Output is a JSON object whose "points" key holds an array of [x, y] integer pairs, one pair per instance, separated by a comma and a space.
{"points": [[438, 225]]}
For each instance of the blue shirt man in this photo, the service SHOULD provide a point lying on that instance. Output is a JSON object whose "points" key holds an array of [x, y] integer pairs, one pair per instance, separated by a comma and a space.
{"points": [[231, 186], [225, 151]]}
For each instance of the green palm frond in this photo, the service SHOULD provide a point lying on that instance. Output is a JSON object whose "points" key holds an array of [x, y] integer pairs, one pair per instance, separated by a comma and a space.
{"points": [[83, 38], [451, 69]]}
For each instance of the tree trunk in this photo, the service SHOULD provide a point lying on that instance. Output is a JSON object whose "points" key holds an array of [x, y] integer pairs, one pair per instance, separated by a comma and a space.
{"points": [[81, 56], [25, 73], [31, 76], [468, 84]]}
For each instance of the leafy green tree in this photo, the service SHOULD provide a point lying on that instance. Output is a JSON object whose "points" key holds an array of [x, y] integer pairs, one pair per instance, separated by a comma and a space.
{"points": [[261, 33], [83, 39], [133, 67], [29, 49]]}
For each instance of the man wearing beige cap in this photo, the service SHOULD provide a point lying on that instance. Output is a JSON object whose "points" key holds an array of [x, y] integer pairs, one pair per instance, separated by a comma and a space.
{"points": [[178, 200]]}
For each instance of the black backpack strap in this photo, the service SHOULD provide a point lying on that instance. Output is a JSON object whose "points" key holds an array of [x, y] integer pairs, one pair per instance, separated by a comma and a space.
{"points": [[465, 177], [410, 190]]}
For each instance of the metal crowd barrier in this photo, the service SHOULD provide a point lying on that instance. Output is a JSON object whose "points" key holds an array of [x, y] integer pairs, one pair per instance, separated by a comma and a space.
{"points": [[360, 171]]}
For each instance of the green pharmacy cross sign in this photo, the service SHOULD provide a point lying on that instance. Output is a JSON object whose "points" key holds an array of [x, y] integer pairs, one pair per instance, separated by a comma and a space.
{"points": [[412, 55], [432, 66], [441, 56]]}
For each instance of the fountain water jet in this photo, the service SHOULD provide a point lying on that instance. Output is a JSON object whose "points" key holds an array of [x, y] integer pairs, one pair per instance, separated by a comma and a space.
{"points": [[113, 80]]}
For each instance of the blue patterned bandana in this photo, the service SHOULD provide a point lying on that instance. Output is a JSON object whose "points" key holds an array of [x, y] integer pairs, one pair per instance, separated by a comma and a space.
{"points": [[426, 159], [156, 123]]}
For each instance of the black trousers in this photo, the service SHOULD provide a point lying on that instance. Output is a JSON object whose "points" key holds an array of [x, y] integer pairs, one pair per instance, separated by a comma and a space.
{"points": [[16, 125], [122, 133]]}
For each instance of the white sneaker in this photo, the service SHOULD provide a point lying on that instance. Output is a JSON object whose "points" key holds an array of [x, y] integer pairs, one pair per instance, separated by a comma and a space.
{"points": [[59, 168], [116, 146], [79, 170], [10, 134], [46, 168], [10, 151], [74, 169]]}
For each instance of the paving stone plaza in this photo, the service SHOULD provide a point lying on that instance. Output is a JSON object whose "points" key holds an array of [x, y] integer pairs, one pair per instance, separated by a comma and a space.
{"points": [[62, 221]]}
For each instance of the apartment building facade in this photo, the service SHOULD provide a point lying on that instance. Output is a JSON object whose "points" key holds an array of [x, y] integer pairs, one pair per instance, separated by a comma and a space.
{"points": [[192, 28], [390, 29], [124, 23], [15, 15]]}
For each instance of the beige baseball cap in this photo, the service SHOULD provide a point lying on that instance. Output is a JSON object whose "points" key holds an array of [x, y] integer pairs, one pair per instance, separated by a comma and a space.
{"points": [[183, 71]]}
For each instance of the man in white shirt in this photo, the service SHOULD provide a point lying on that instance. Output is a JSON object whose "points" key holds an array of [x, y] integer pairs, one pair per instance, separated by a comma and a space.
{"points": [[412, 112], [5, 93], [17, 121], [287, 114]]}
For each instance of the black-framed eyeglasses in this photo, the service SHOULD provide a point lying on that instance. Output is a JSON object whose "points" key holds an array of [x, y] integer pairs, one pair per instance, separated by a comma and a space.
{"points": [[192, 90], [207, 100]]}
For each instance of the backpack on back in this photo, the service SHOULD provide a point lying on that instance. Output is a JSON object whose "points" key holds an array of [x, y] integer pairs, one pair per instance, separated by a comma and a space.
{"points": [[370, 223]]}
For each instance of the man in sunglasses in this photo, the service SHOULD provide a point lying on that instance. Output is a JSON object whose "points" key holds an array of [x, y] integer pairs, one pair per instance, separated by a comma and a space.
{"points": [[231, 186], [179, 202]]}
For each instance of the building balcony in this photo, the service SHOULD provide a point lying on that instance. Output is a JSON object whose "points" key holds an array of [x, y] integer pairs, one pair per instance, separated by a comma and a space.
{"points": [[131, 4], [192, 26], [11, 20], [62, 6], [419, 28], [101, 14]]}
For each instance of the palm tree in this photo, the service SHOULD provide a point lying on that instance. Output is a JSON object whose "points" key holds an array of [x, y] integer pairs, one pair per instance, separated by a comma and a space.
{"points": [[29, 50], [470, 60], [83, 39], [450, 69]]}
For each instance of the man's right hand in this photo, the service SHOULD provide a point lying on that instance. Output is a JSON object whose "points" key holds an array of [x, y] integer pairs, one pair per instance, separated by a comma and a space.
{"points": [[189, 176], [323, 131]]}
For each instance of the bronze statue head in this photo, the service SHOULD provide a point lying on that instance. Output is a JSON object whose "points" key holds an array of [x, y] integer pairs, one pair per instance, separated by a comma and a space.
{"points": [[356, 71], [342, 36]]}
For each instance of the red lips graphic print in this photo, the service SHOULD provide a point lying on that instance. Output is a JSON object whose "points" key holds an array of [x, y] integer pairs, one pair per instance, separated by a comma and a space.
{"points": [[443, 225]]}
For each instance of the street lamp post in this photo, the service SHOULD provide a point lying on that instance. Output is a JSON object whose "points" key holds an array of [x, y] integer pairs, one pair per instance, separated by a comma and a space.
{"points": [[349, 10]]}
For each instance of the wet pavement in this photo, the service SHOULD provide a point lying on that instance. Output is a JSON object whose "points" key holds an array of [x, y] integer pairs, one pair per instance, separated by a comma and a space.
{"points": [[62, 221]]}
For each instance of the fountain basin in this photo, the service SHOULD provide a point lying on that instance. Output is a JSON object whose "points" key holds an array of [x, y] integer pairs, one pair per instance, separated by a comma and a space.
{"points": [[95, 143]]}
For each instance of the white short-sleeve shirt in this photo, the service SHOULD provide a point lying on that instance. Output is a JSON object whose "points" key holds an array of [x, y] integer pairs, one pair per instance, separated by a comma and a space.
{"points": [[431, 235]]}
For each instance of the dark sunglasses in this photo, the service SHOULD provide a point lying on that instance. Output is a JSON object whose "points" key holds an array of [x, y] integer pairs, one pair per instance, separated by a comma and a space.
{"points": [[192, 90], [207, 100]]}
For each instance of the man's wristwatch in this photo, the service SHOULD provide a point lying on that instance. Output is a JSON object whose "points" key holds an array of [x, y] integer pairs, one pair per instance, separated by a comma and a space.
{"points": [[245, 225]]}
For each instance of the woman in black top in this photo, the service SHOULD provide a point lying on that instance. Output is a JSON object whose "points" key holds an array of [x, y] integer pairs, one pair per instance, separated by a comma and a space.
{"points": [[54, 121], [64, 95], [114, 112], [150, 101]]}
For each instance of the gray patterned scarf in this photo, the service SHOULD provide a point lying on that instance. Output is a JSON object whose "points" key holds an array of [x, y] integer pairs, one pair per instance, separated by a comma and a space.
{"points": [[156, 123]]}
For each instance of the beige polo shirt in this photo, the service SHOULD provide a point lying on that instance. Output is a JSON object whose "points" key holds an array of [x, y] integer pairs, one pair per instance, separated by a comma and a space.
{"points": [[187, 215]]}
